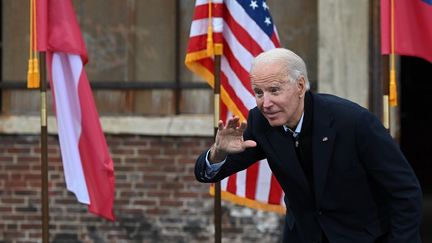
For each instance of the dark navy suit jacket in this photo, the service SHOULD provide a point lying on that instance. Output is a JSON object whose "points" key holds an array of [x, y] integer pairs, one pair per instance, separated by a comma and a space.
{"points": [[364, 189]]}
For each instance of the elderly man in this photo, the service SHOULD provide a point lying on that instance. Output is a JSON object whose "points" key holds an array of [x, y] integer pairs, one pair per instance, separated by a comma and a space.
{"points": [[344, 178]]}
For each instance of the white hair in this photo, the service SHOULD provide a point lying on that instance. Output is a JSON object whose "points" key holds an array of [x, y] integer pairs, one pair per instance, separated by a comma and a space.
{"points": [[293, 65]]}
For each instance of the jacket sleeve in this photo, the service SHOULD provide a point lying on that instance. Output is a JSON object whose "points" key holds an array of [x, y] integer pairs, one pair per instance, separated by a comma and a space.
{"points": [[392, 176]]}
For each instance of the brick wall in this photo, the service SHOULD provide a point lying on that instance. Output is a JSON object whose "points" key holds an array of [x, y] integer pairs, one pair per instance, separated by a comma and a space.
{"points": [[157, 198]]}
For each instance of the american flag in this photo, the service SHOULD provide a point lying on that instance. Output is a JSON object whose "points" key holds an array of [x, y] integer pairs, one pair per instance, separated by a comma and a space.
{"points": [[237, 30]]}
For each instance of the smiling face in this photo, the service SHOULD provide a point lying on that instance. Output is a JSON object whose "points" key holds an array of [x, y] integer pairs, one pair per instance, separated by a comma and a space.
{"points": [[279, 100]]}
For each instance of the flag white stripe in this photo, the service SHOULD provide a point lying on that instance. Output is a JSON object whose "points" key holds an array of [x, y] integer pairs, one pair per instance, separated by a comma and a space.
{"points": [[241, 183], [276, 32], [199, 26], [264, 182], [224, 184], [66, 72]]}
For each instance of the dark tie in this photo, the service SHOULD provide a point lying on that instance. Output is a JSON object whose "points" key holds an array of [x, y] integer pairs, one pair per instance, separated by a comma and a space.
{"points": [[296, 139]]}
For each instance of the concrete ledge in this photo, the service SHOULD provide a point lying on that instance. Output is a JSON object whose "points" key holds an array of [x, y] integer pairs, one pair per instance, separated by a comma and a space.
{"points": [[182, 125]]}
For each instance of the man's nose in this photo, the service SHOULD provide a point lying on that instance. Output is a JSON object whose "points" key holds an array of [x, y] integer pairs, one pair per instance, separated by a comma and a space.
{"points": [[267, 102]]}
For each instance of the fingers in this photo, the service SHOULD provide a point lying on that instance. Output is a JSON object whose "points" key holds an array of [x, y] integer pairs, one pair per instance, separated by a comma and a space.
{"points": [[233, 122], [220, 125], [243, 126], [249, 144]]}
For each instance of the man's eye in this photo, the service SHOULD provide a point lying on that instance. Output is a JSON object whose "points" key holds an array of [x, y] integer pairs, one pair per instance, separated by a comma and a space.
{"points": [[274, 90], [258, 92]]}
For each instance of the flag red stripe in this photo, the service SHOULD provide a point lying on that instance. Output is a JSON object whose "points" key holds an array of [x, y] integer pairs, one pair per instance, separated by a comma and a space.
{"points": [[275, 40], [232, 184], [201, 11], [275, 193], [96, 160], [251, 180], [199, 42]]}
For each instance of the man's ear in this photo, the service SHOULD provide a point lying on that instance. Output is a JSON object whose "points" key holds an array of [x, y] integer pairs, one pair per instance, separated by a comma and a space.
{"points": [[301, 85]]}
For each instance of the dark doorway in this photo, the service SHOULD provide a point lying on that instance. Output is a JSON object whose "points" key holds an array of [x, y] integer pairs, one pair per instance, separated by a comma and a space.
{"points": [[416, 117], [416, 128]]}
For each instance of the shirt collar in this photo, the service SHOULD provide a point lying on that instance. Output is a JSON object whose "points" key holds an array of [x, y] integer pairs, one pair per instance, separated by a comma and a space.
{"points": [[297, 129]]}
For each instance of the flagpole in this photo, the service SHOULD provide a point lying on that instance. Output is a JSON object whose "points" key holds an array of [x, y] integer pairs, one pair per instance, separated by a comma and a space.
{"points": [[217, 192], [386, 91], [375, 61], [390, 99], [44, 149]]}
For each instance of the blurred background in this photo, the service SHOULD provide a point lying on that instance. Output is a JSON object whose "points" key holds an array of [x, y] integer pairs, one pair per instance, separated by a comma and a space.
{"points": [[157, 116]]}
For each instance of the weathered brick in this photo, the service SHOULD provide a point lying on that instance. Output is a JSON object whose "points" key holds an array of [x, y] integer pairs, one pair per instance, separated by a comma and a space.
{"points": [[27, 226], [17, 167], [157, 178], [173, 203], [123, 151], [11, 234], [186, 195], [146, 202], [172, 186], [28, 159], [156, 211], [147, 185], [11, 226], [157, 198], [158, 194], [16, 217], [12, 201], [50, 150], [16, 150], [6, 158], [150, 151]]}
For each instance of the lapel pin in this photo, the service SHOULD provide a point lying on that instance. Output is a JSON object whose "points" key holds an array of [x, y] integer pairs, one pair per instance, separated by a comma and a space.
{"points": [[325, 139]]}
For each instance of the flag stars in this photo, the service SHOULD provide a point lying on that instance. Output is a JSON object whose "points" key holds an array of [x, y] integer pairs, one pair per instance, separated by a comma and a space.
{"points": [[265, 6], [253, 5], [267, 21]]}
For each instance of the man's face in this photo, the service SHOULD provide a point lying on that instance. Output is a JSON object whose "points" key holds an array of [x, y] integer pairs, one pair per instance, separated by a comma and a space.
{"points": [[280, 101]]}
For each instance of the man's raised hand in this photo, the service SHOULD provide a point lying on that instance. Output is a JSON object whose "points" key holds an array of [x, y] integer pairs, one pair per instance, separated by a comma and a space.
{"points": [[229, 139]]}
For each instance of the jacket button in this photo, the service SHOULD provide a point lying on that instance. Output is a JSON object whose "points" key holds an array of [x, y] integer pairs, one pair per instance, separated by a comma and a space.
{"points": [[320, 213]]}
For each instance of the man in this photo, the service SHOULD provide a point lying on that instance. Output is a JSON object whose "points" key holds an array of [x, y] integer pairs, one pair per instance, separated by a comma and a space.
{"points": [[344, 178]]}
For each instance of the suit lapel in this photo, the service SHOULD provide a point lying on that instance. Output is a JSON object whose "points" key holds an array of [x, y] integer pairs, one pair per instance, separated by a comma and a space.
{"points": [[283, 148], [322, 144]]}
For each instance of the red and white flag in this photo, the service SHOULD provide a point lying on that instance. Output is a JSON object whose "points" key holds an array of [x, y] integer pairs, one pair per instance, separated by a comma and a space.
{"points": [[87, 163], [238, 31], [412, 28]]}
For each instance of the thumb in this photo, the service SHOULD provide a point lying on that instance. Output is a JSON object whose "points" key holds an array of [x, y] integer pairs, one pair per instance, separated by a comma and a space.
{"points": [[249, 144]]}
